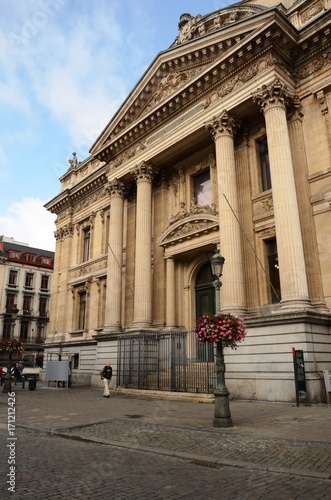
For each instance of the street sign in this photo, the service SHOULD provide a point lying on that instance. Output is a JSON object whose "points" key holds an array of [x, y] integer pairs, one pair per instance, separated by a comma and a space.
{"points": [[299, 376]]}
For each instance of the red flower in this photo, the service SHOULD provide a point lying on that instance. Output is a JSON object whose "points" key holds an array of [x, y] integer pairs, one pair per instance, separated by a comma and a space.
{"points": [[13, 346], [220, 327]]}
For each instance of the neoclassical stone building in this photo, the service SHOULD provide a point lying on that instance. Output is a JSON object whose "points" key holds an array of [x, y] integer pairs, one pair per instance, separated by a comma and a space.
{"points": [[225, 142]]}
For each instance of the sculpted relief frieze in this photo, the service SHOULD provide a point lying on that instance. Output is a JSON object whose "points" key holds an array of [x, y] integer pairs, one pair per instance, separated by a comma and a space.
{"points": [[268, 233], [263, 217], [84, 269], [169, 83], [318, 64], [129, 153], [66, 213], [190, 27], [264, 205], [193, 210], [241, 78], [313, 9], [190, 227], [89, 200]]}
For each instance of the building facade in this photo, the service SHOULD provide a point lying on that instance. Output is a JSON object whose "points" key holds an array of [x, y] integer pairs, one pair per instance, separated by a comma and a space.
{"points": [[225, 142], [25, 284]]}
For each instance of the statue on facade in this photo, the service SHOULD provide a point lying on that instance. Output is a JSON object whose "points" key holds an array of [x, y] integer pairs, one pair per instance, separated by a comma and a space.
{"points": [[73, 162], [184, 26]]}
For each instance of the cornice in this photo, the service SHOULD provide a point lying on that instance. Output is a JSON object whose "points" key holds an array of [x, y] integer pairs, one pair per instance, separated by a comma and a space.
{"points": [[71, 196], [313, 40]]}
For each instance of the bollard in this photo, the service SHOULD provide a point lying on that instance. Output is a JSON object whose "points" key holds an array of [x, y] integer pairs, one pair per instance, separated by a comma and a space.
{"points": [[32, 383]]}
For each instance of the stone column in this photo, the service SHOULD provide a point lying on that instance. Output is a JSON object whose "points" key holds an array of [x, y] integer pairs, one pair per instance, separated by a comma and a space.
{"points": [[309, 241], [170, 295], [142, 317], [293, 280], [116, 190], [223, 128]]}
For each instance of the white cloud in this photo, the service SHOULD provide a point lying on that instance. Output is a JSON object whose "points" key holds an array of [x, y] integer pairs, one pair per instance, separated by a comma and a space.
{"points": [[69, 64], [28, 221]]}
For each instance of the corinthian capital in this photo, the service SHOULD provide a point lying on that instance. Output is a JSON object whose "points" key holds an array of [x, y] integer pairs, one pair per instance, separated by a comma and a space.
{"points": [[116, 187], [143, 172], [224, 124], [275, 94]]}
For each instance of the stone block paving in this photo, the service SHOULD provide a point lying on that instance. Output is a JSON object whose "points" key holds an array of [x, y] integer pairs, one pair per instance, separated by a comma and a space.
{"points": [[274, 438], [310, 459], [50, 467]]}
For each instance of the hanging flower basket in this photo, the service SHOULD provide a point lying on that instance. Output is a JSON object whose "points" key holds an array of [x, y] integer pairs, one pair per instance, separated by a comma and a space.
{"points": [[220, 328], [11, 347]]}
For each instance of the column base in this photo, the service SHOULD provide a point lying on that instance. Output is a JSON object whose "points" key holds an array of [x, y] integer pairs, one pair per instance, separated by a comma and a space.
{"points": [[141, 325], [111, 329], [295, 305], [235, 311], [320, 306]]}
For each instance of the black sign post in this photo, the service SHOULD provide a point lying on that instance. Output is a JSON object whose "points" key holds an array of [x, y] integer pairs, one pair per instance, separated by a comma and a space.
{"points": [[299, 375]]}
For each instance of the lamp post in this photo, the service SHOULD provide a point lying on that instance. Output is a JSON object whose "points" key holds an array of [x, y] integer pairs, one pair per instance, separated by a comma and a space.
{"points": [[222, 414]]}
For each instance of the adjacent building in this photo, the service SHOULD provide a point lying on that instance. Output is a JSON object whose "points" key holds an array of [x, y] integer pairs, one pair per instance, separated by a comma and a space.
{"points": [[225, 142], [25, 284]]}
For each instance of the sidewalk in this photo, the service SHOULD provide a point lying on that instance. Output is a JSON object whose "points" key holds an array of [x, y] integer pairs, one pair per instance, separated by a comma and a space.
{"points": [[269, 436]]}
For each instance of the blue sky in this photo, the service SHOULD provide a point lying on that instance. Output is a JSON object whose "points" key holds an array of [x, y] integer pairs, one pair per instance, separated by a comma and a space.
{"points": [[66, 67]]}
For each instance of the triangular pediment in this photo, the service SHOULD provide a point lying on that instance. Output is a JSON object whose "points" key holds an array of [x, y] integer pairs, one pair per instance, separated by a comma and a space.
{"points": [[175, 71], [212, 36]]}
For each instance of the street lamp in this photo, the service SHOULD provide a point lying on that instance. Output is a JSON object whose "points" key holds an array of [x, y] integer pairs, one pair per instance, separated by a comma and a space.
{"points": [[222, 414]]}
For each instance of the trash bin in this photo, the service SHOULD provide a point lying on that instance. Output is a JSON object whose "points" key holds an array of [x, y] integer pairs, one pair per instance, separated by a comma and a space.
{"points": [[32, 383]]}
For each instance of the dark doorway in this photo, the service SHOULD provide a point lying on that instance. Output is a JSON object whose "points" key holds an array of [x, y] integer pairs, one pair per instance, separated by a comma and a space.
{"points": [[205, 304]]}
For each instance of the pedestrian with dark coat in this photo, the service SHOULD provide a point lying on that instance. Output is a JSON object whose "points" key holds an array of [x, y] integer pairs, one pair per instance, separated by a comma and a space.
{"points": [[106, 375], [17, 372]]}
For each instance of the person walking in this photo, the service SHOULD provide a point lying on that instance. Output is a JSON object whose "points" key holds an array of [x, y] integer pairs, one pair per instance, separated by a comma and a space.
{"points": [[106, 375], [17, 373]]}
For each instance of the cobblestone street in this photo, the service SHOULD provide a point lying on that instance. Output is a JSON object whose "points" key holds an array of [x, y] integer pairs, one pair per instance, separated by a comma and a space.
{"points": [[49, 466], [73, 443]]}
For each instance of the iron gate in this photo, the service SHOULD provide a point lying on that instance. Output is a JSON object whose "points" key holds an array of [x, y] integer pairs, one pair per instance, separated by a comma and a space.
{"points": [[165, 361]]}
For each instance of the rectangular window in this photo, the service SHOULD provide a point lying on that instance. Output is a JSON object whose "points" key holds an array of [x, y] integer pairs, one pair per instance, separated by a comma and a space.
{"points": [[82, 311], [44, 282], [10, 303], [273, 270], [30, 257], [75, 361], [43, 307], [29, 280], [12, 278], [6, 332], [24, 331], [264, 163], [40, 333], [86, 244], [27, 302], [202, 188]]}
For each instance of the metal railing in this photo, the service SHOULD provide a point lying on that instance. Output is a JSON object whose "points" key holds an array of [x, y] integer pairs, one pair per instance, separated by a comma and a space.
{"points": [[165, 361]]}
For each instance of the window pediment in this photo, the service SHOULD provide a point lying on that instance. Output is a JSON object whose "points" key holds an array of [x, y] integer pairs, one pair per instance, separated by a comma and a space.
{"points": [[189, 227]]}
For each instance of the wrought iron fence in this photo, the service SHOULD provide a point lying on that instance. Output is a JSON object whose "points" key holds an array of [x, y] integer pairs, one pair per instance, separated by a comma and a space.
{"points": [[165, 361]]}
